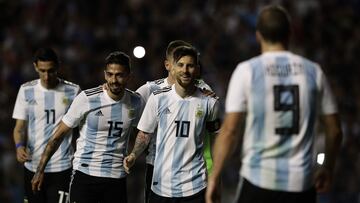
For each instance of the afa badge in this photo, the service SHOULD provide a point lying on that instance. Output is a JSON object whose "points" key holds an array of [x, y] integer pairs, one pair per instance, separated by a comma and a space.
{"points": [[199, 112], [66, 101], [131, 113]]}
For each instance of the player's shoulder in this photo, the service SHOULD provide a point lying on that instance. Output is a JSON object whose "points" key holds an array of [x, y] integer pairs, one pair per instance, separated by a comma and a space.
{"points": [[69, 84], [158, 83], [162, 91], [93, 91], [31, 83], [133, 94]]}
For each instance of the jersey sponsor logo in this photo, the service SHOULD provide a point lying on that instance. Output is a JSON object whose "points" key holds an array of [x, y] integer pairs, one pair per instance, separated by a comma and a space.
{"points": [[31, 101], [99, 113], [167, 111]]}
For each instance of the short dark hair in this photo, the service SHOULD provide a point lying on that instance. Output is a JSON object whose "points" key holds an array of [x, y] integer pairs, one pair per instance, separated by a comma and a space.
{"points": [[173, 45], [273, 24], [118, 57], [46, 54], [186, 51]]}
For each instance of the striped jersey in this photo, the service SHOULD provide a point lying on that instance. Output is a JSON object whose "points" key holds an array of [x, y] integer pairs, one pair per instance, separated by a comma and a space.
{"points": [[43, 109], [179, 166], [145, 91], [282, 94], [105, 127]]}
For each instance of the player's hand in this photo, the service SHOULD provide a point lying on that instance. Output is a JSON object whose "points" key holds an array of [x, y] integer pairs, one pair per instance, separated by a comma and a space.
{"points": [[129, 161], [323, 180], [22, 155], [37, 181], [212, 191]]}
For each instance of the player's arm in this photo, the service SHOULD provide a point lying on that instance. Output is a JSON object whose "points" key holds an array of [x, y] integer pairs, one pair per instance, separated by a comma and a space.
{"points": [[50, 149], [141, 143], [323, 177], [19, 136], [225, 144]]}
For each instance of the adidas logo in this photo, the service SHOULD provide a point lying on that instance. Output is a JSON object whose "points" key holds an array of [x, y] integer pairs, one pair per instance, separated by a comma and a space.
{"points": [[99, 113], [167, 111], [31, 102]]}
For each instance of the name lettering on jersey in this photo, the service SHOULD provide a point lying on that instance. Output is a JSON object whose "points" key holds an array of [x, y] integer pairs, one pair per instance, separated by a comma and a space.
{"points": [[199, 112], [99, 113], [31, 101], [165, 89], [284, 70]]}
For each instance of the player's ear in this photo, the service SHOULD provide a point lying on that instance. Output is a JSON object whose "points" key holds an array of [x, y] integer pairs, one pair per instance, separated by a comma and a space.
{"points": [[258, 36], [167, 64], [35, 66]]}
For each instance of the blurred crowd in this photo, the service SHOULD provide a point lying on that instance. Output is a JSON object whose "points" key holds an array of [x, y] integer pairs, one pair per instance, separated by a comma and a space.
{"points": [[84, 32]]}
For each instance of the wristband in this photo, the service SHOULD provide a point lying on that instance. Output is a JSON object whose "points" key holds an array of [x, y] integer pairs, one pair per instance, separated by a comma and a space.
{"points": [[20, 144]]}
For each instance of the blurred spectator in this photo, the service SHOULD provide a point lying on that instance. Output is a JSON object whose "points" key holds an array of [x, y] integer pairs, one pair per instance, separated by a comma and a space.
{"points": [[83, 32]]}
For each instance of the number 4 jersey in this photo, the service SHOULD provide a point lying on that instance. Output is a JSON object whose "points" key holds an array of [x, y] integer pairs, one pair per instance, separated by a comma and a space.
{"points": [[105, 126], [179, 166], [282, 94]]}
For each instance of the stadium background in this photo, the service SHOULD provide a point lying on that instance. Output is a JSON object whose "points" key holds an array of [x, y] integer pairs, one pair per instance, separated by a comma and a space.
{"points": [[84, 32]]}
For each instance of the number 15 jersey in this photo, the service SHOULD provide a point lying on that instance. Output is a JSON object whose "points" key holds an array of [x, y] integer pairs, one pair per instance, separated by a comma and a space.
{"points": [[179, 166], [282, 93]]}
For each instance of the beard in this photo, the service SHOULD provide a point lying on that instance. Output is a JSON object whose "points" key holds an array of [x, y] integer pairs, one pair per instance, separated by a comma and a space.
{"points": [[185, 82], [115, 88]]}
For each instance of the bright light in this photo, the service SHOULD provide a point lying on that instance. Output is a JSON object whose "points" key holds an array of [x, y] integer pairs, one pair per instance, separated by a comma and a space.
{"points": [[320, 158], [139, 52]]}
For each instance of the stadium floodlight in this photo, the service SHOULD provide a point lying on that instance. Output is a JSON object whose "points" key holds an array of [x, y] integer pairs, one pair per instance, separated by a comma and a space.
{"points": [[139, 52]]}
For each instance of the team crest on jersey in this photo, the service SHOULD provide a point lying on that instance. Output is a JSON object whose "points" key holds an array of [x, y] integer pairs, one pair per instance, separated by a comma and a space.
{"points": [[66, 101], [199, 112], [131, 113]]}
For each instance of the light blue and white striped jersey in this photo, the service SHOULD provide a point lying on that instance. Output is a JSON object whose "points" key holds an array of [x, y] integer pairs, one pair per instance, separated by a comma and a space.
{"points": [[43, 109], [282, 94], [179, 166], [105, 127], [145, 91]]}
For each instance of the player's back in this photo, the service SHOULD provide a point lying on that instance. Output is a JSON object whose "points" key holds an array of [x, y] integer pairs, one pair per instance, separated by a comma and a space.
{"points": [[281, 98]]}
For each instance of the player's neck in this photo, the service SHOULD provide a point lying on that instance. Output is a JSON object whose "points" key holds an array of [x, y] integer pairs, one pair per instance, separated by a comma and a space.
{"points": [[270, 47], [115, 97], [184, 92], [170, 80], [50, 85]]}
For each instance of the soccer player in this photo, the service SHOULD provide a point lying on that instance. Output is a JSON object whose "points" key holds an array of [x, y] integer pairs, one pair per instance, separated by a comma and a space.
{"points": [[279, 94], [39, 107], [181, 113], [147, 89], [106, 119]]}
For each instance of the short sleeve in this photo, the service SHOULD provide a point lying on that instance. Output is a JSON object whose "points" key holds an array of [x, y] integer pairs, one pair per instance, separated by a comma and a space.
{"points": [[213, 120], [236, 98], [148, 120], [20, 107], [327, 100], [144, 91], [76, 111]]}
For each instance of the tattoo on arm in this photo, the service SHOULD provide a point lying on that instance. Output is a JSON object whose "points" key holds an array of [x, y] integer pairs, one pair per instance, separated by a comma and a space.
{"points": [[141, 142]]}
